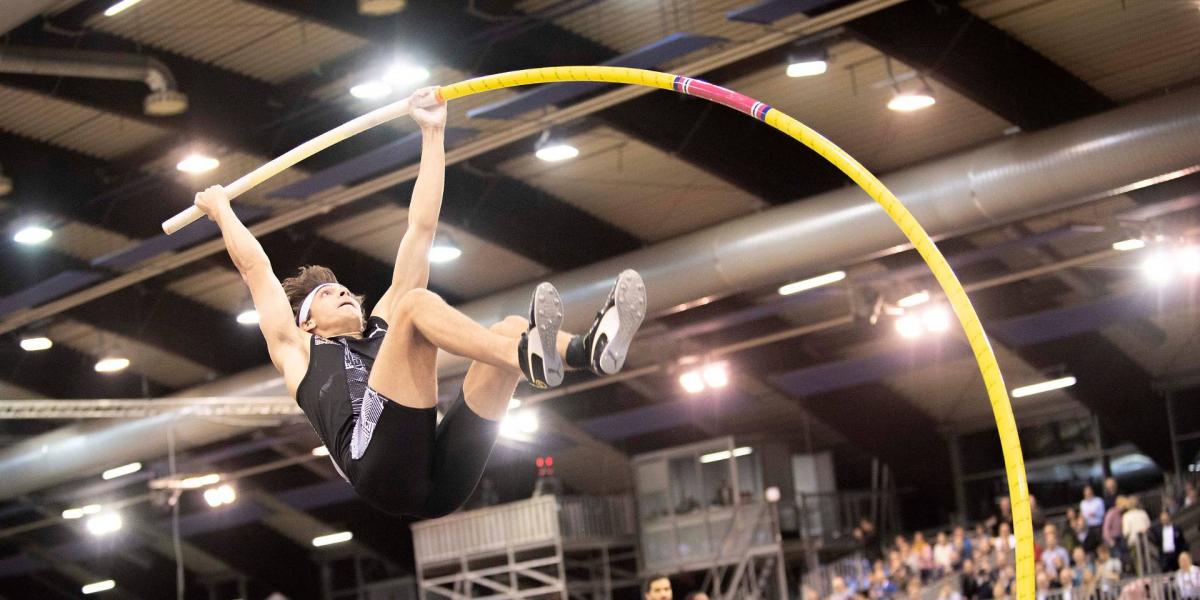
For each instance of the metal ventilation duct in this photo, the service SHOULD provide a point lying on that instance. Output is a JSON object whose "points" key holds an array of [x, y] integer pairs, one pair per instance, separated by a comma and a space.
{"points": [[999, 183], [163, 100]]}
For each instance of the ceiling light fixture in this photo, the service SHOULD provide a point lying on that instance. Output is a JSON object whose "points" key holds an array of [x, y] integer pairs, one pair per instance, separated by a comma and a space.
{"points": [[36, 343], [813, 282], [119, 7], [197, 163], [32, 235], [912, 300], [1045, 386], [1130, 244], [371, 90], [248, 317], [444, 250], [552, 149], [333, 538], [111, 364], [122, 471]]}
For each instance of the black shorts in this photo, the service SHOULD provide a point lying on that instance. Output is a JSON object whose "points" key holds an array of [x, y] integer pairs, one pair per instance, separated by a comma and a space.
{"points": [[409, 464]]}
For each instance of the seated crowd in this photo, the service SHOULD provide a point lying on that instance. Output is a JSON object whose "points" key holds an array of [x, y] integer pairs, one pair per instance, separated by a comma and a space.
{"points": [[1087, 554]]}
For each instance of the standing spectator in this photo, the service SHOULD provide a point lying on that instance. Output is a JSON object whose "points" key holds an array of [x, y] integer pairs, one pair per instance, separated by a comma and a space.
{"points": [[1035, 512], [1134, 525], [1005, 541], [944, 555], [869, 538], [1082, 536], [1189, 494], [1168, 539], [1055, 557], [1187, 579], [1092, 508], [1003, 514], [1111, 530], [1108, 570], [1110, 492], [962, 546]]}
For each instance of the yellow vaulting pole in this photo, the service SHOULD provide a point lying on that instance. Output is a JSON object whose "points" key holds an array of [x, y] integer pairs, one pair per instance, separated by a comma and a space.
{"points": [[997, 392]]}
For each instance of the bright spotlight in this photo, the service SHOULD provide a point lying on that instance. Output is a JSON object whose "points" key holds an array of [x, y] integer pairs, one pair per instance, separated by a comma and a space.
{"points": [[912, 300], [248, 317], [99, 586], [333, 538], [716, 375], [406, 75], [122, 470], [220, 495], [197, 163], [35, 344], [813, 282], [527, 421], [118, 8], [1158, 269], [807, 68], [32, 235], [105, 523], [1130, 244], [1045, 386], [909, 326], [936, 319], [111, 364], [514, 403], [371, 90], [911, 102], [1188, 260], [556, 152], [692, 382], [320, 451], [199, 481], [444, 251]]}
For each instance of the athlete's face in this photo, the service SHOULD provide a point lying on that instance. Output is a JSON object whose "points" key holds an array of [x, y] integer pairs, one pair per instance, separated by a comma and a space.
{"points": [[334, 311]]}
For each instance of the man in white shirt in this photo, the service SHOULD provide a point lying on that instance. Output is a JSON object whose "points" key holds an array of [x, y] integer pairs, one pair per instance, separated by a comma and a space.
{"points": [[1092, 508], [1168, 540]]}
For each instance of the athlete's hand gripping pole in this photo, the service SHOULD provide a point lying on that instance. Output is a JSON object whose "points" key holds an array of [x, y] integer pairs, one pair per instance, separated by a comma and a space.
{"points": [[248, 181]]}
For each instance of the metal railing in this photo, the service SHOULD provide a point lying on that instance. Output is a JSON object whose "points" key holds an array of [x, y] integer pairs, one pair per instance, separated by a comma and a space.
{"points": [[1166, 586]]}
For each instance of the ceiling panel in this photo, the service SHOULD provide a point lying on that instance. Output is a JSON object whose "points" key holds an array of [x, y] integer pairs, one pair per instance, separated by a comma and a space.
{"points": [[1125, 48], [634, 186], [848, 105], [72, 126], [238, 36], [484, 267], [162, 367]]}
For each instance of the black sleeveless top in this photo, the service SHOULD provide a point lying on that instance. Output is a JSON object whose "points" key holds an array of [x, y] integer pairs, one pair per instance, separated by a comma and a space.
{"points": [[335, 383]]}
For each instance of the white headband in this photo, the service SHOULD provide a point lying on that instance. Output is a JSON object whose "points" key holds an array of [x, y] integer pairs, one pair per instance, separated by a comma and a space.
{"points": [[305, 306]]}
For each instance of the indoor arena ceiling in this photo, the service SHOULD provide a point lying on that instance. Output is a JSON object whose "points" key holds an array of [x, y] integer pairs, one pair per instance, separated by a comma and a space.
{"points": [[262, 76]]}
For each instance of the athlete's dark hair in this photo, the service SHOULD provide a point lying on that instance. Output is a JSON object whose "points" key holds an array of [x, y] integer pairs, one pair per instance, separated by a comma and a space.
{"points": [[305, 280], [651, 579]]}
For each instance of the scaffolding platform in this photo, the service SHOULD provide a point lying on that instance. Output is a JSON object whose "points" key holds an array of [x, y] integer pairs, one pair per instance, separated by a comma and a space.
{"points": [[546, 547]]}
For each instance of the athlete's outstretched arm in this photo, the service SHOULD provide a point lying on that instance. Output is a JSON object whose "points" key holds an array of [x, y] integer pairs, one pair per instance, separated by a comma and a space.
{"points": [[275, 319], [412, 259]]}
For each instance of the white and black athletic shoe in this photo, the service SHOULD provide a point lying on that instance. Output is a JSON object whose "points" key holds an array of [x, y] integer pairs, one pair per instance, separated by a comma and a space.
{"points": [[607, 341], [538, 351]]}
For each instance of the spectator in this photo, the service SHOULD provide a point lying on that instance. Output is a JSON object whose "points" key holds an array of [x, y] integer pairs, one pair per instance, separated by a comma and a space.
{"points": [[962, 546], [1055, 557], [947, 592], [867, 536], [912, 591], [1187, 579], [1108, 570], [657, 587], [1043, 586], [1035, 512], [1111, 533], [839, 590], [1003, 514], [1092, 508], [924, 555], [1110, 492], [1067, 584], [808, 593], [1082, 536], [880, 586], [944, 555], [1189, 494], [1134, 525], [1082, 569], [1168, 540], [1005, 541]]}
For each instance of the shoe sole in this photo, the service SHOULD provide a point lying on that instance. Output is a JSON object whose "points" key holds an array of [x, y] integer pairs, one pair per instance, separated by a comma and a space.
{"points": [[629, 298], [547, 315]]}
